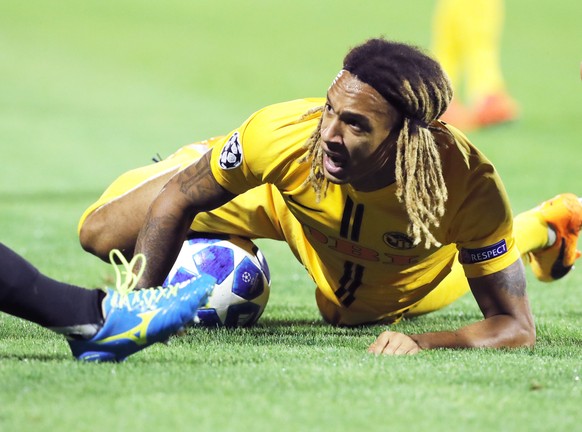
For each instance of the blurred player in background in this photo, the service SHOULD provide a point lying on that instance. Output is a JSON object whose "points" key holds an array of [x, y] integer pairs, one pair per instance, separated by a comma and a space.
{"points": [[393, 213], [99, 325], [467, 42]]}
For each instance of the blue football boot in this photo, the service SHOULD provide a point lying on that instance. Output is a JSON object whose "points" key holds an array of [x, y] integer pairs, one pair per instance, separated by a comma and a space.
{"points": [[137, 318]]}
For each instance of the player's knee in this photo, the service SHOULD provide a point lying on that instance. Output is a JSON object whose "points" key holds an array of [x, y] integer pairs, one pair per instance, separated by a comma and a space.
{"points": [[94, 239]]}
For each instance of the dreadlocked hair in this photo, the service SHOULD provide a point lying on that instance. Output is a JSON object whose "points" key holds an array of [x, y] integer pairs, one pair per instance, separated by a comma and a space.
{"points": [[315, 155], [419, 89]]}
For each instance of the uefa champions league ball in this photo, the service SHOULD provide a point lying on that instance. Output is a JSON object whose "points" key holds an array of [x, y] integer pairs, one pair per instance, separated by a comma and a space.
{"points": [[242, 278]]}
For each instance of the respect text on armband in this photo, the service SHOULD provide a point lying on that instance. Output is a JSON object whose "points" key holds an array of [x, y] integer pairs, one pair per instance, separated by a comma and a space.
{"points": [[473, 256]]}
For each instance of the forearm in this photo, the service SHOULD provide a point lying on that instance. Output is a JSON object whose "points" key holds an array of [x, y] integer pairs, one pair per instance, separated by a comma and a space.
{"points": [[191, 191], [507, 323], [499, 331], [160, 240]]}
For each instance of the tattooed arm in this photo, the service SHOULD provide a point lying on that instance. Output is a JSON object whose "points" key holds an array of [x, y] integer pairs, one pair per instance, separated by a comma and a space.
{"points": [[186, 194], [508, 320]]}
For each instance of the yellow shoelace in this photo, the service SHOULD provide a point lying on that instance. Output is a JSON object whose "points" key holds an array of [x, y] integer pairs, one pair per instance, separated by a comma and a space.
{"points": [[126, 281]]}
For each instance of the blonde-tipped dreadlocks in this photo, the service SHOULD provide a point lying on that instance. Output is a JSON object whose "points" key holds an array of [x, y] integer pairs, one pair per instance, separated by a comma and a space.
{"points": [[315, 154], [418, 88], [419, 181]]}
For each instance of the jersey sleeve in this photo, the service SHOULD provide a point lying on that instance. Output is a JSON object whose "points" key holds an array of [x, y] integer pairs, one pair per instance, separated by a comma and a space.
{"points": [[481, 222], [485, 230], [265, 148]]}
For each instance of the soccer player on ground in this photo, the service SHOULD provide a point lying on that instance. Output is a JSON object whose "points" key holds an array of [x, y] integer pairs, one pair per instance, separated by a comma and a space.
{"points": [[99, 325], [467, 43], [393, 213]]}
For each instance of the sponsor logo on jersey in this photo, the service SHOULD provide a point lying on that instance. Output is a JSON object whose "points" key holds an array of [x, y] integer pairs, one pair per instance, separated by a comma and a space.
{"points": [[473, 256], [231, 155], [352, 249], [398, 240]]}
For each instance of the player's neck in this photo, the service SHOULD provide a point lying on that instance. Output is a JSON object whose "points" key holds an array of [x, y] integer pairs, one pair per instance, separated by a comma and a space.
{"points": [[381, 173]]}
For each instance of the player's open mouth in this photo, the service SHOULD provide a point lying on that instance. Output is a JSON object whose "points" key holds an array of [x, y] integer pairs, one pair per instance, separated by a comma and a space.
{"points": [[334, 164]]}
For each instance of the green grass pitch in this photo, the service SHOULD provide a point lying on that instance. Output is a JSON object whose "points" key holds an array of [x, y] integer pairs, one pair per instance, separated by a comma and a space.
{"points": [[89, 89]]}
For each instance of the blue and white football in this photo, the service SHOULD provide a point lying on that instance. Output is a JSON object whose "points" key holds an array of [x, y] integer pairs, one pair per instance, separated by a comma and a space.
{"points": [[242, 278]]}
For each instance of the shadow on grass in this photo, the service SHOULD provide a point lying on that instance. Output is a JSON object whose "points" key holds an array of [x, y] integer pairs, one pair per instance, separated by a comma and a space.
{"points": [[554, 339], [33, 357], [316, 332]]}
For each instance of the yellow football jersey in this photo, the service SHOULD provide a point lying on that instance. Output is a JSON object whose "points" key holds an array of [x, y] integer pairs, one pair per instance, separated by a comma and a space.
{"points": [[354, 244]]}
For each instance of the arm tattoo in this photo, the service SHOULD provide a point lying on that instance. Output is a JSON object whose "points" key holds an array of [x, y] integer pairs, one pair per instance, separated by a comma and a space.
{"points": [[197, 182], [511, 280], [191, 191], [190, 181]]}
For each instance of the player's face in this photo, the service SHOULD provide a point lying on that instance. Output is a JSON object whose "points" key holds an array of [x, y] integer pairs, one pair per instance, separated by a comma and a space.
{"points": [[355, 127]]}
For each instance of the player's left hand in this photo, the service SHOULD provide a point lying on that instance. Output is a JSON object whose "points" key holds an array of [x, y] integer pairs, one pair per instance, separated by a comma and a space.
{"points": [[394, 343]]}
